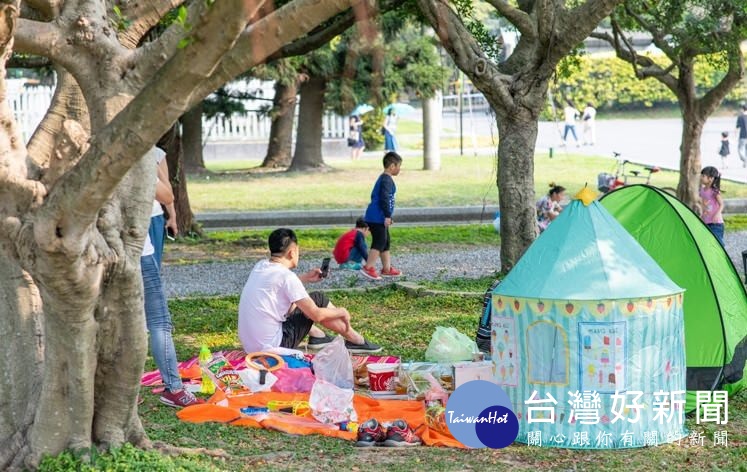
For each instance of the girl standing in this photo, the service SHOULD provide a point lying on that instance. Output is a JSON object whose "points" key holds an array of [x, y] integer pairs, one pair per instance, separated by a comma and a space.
{"points": [[355, 137], [711, 202]]}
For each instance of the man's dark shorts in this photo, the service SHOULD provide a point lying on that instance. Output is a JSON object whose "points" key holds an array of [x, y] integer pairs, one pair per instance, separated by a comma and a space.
{"points": [[379, 236], [297, 325]]}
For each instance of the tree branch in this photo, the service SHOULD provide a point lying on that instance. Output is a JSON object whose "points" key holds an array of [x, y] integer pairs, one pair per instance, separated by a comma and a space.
{"points": [[49, 9], [317, 38], [574, 30], [657, 35], [36, 37], [521, 20], [144, 16], [466, 52], [712, 99], [643, 66], [266, 36], [121, 143]]}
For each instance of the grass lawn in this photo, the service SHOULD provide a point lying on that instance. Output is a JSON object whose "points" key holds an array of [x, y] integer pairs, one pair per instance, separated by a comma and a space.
{"points": [[403, 325], [461, 181]]}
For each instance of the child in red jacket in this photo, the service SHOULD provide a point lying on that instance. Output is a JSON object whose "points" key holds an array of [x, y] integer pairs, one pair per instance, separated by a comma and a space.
{"points": [[351, 250]]}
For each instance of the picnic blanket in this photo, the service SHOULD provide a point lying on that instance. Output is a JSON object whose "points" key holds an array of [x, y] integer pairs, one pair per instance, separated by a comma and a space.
{"points": [[190, 369], [226, 409]]}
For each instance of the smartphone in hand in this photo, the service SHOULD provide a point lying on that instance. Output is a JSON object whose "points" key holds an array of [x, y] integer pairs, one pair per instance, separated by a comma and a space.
{"points": [[170, 234], [325, 267]]}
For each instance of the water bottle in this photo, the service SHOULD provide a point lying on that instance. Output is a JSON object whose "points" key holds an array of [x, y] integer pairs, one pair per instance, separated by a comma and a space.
{"points": [[208, 387]]}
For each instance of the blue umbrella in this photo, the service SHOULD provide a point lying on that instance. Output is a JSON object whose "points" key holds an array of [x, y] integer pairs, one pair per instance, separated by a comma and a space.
{"points": [[362, 109], [399, 108]]}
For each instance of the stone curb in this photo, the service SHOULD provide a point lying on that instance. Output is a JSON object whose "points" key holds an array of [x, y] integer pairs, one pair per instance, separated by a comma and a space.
{"points": [[347, 217]]}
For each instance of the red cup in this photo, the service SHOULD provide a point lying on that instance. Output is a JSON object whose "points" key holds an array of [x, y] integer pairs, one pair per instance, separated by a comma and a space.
{"points": [[381, 377]]}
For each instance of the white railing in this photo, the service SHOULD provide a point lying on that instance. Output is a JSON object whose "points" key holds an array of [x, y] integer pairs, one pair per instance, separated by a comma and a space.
{"points": [[30, 104]]}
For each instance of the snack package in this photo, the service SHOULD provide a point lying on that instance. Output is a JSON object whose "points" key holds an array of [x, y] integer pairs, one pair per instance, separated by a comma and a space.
{"points": [[223, 375]]}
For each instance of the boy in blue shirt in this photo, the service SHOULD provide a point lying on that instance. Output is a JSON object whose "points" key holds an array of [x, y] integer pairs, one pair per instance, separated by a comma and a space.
{"points": [[379, 218]]}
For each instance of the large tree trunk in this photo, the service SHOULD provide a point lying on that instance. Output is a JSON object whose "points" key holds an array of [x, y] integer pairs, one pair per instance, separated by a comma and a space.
{"points": [[281, 131], [71, 302], [171, 142], [518, 137], [191, 140], [690, 163], [308, 153]]}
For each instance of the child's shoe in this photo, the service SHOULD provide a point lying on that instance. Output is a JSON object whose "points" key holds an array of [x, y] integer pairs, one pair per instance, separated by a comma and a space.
{"points": [[370, 434], [351, 265], [370, 273], [399, 434], [392, 272]]}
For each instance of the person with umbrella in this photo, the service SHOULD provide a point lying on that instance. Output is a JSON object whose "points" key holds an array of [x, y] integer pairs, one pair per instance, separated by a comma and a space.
{"points": [[390, 126], [355, 137]]}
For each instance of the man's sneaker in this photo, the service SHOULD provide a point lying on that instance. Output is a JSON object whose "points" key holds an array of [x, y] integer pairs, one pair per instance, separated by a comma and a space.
{"points": [[365, 348], [351, 265], [179, 399], [399, 434], [370, 272], [318, 343], [392, 272], [370, 434]]}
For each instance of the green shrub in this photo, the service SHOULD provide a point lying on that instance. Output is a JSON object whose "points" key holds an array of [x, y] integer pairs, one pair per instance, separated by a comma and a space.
{"points": [[610, 84]]}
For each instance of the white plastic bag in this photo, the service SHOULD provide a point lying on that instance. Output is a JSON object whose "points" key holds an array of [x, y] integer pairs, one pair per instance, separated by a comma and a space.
{"points": [[331, 404], [333, 364], [251, 379], [449, 345]]}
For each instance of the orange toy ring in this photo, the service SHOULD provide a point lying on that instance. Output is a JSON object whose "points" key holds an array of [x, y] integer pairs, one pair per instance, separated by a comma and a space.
{"points": [[260, 361]]}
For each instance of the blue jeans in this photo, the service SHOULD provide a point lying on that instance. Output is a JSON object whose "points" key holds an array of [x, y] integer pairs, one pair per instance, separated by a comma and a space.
{"points": [[572, 129], [390, 141], [355, 255], [156, 230], [158, 321], [718, 230]]}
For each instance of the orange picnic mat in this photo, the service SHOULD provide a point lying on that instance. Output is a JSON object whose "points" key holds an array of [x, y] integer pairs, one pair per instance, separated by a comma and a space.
{"points": [[226, 409]]}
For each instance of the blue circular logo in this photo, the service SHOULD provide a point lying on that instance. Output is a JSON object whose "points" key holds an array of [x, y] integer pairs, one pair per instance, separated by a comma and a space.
{"points": [[478, 414]]}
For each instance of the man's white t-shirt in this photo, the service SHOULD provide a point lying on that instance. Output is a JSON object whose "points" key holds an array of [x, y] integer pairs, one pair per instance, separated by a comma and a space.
{"points": [[267, 296], [570, 115], [157, 154]]}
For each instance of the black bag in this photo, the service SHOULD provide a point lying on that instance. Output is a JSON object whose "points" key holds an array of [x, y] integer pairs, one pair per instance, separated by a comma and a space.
{"points": [[352, 142]]}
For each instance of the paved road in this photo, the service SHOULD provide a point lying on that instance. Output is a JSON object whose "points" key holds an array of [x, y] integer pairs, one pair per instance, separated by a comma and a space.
{"points": [[653, 142]]}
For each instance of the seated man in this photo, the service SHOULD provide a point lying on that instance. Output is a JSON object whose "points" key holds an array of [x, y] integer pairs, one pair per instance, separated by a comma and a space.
{"points": [[276, 311]]}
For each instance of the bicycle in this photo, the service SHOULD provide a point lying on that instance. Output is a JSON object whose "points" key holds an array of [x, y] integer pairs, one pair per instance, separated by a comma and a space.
{"points": [[607, 182]]}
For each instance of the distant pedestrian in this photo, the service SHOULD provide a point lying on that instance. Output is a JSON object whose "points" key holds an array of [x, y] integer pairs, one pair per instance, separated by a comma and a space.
{"points": [[389, 129], [724, 149], [742, 136], [570, 115], [379, 219], [590, 126], [355, 137], [711, 202]]}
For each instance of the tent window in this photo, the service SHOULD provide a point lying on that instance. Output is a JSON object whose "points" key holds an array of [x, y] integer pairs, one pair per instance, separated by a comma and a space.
{"points": [[548, 353]]}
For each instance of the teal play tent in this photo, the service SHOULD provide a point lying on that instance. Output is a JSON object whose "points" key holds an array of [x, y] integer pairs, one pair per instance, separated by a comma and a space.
{"points": [[588, 338], [715, 307]]}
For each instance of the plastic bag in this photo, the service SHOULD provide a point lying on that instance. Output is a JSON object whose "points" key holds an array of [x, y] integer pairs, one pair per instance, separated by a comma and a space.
{"points": [[333, 364], [449, 345], [331, 404], [252, 379], [299, 380]]}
